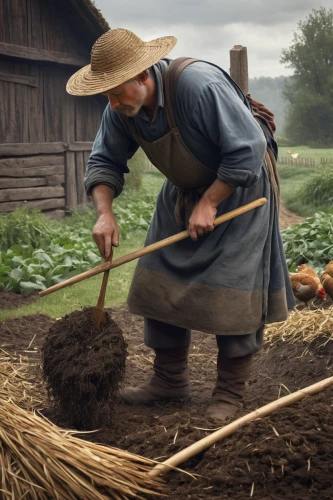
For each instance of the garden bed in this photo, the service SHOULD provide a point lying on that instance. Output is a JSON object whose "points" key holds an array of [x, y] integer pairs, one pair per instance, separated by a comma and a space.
{"points": [[286, 455]]}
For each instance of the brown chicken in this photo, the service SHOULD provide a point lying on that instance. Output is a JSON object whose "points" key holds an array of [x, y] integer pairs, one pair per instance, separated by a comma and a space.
{"points": [[327, 279], [306, 284]]}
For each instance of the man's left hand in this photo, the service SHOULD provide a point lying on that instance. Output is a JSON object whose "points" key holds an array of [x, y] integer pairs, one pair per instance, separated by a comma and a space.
{"points": [[202, 219]]}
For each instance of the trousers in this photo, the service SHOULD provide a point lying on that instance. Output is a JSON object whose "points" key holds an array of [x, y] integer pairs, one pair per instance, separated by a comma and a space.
{"points": [[159, 335]]}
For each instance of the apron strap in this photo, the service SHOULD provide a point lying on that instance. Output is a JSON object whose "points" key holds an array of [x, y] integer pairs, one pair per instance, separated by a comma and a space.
{"points": [[170, 80]]}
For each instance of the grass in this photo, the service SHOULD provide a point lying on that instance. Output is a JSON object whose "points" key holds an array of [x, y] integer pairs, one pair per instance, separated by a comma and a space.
{"points": [[86, 292], [307, 152], [292, 181], [294, 178]]}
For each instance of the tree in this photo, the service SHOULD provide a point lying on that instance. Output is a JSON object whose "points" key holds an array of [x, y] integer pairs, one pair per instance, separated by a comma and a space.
{"points": [[310, 90]]}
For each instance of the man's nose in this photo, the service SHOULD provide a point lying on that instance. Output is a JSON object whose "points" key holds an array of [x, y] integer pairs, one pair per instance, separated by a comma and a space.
{"points": [[113, 101]]}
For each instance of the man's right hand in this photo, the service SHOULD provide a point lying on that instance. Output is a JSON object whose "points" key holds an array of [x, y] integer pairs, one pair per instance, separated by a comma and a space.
{"points": [[106, 234], [106, 230]]}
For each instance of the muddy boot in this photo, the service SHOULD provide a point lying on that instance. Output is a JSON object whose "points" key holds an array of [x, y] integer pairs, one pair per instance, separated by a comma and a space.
{"points": [[229, 390], [169, 380]]}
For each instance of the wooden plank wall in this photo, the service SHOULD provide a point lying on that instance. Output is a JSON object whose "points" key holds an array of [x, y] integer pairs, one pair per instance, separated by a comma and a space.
{"points": [[35, 110], [36, 23], [33, 181]]}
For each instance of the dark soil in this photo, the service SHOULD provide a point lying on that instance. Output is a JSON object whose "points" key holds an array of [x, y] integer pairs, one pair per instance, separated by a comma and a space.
{"points": [[83, 367], [286, 455], [10, 300]]}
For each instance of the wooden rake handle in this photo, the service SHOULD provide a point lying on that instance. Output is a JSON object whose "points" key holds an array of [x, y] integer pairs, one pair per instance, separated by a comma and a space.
{"points": [[150, 248], [101, 298]]}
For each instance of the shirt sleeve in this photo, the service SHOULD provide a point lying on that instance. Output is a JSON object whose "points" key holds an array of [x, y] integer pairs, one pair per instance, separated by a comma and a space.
{"points": [[112, 148], [222, 117]]}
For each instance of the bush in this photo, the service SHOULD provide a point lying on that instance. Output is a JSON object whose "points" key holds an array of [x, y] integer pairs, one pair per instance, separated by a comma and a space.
{"points": [[26, 227], [318, 190], [283, 141]]}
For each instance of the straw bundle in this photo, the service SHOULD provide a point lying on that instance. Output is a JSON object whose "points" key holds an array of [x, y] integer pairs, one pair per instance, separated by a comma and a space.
{"points": [[38, 461], [304, 326]]}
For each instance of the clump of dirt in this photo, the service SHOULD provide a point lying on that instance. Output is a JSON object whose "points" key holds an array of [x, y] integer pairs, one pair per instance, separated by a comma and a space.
{"points": [[83, 367]]}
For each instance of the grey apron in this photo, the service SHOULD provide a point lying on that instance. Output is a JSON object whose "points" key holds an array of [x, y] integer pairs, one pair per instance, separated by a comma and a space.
{"points": [[191, 284]]}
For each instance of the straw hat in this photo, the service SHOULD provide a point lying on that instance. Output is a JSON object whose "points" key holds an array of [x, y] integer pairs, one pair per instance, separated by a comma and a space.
{"points": [[117, 56]]}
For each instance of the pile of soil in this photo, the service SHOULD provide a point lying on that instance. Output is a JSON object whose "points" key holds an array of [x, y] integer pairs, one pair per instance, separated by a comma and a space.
{"points": [[83, 367], [286, 455]]}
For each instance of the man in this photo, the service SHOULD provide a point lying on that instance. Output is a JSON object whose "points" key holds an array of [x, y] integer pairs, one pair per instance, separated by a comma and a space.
{"points": [[196, 126]]}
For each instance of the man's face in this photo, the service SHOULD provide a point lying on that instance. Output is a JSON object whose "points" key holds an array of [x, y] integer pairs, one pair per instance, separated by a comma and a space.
{"points": [[127, 98]]}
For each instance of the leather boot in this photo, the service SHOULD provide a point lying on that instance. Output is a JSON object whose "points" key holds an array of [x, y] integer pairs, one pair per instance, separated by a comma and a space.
{"points": [[232, 374], [168, 383]]}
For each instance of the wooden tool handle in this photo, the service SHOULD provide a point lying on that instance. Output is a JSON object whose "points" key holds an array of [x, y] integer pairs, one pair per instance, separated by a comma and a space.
{"points": [[150, 248], [101, 298]]}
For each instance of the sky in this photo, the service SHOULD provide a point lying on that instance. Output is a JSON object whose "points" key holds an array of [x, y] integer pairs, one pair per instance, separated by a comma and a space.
{"points": [[208, 29]]}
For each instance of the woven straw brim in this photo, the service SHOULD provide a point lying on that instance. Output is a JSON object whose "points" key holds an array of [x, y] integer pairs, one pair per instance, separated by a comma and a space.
{"points": [[87, 82]]}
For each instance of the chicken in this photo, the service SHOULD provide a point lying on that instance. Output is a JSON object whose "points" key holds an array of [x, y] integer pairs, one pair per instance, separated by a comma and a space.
{"points": [[327, 279], [306, 284], [329, 268], [293, 155], [305, 269]]}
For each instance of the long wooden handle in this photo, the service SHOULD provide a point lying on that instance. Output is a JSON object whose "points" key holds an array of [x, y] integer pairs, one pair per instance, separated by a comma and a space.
{"points": [[101, 298], [234, 426], [150, 248]]}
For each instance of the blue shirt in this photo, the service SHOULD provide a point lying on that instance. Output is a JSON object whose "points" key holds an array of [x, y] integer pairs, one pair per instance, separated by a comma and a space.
{"points": [[214, 121]]}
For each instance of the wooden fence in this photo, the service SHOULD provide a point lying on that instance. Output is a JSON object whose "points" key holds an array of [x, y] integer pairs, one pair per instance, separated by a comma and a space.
{"points": [[305, 162]]}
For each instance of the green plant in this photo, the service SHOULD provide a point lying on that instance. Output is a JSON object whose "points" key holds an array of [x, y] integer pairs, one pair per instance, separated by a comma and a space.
{"points": [[318, 190], [310, 242], [24, 226], [36, 253]]}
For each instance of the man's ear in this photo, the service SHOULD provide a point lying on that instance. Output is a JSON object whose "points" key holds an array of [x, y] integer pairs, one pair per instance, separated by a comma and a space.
{"points": [[143, 76]]}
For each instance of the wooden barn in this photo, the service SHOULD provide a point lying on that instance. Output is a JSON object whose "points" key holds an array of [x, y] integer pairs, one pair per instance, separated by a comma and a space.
{"points": [[45, 134]]}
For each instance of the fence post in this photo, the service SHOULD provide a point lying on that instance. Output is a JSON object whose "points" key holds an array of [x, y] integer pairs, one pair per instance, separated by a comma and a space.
{"points": [[239, 67]]}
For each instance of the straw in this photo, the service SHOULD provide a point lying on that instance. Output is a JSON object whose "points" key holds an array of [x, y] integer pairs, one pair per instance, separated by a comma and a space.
{"points": [[305, 326], [39, 460], [117, 56]]}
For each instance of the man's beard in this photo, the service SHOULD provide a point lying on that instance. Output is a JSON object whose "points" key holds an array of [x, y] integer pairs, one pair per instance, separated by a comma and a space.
{"points": [[129, 111]]}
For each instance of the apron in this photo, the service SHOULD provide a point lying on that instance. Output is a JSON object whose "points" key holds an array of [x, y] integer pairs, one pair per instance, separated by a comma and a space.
{"points": [[171, 156], [190, 284]]}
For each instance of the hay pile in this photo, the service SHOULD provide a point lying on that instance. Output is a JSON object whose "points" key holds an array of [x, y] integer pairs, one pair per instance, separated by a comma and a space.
{"points": [[302, 326], [40, 461], [20, 382], [83, 367]]}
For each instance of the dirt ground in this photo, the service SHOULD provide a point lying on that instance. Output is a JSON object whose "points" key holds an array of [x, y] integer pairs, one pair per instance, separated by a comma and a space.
{"points": [[288, 218], [286, 455]]}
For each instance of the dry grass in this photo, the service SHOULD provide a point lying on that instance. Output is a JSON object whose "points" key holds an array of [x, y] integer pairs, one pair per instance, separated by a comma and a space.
{"points": [[39, 460], [305, 326], [21, 382]]}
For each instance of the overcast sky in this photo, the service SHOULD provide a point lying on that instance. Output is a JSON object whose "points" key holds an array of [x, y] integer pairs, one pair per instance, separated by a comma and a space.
{"points": [[208, 29]]}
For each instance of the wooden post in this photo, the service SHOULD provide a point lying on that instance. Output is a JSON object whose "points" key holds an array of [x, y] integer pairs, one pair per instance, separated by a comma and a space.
{"points": [[70, 163], [239, 67]]}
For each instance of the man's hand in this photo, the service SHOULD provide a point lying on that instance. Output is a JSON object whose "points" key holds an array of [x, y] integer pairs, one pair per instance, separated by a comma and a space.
{"points": [[202, 219], [106, 230], [106, 234]]}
